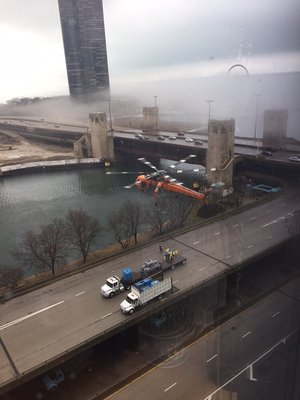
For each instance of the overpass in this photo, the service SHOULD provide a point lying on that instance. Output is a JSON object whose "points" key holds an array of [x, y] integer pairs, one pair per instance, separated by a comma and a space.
{"points": [[126, 142], [43, 328]]}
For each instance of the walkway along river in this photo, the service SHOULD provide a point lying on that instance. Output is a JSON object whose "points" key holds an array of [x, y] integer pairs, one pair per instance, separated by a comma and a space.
{"points": [[29, 201]]}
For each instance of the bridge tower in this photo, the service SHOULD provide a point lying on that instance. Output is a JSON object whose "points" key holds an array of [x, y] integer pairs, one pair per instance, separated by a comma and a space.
{"points": [[150, 118], [275, 128], [220, 152], [101, 140]]}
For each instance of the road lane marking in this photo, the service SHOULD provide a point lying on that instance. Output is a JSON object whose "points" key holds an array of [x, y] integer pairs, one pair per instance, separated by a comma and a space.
{"points": [[196, 242], [252, 218], [227, 257], [175, 281], [8, 324], [274, 315], [216, 355], [268, 211], [202, 269], [170, 387], [282, 218], [249, 247], [283, 341], [105, 316], [236, 225], [79, 294], [246, 334], [217, 233], [270, 237]]}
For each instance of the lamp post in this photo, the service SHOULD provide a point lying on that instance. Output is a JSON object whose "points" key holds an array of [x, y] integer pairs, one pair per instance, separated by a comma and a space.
{"points": [[209, 103], [155, 105], [256, 108], [110, 120]]}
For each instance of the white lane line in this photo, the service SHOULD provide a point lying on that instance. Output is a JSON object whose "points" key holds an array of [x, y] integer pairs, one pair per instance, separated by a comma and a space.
{"points": [[216, 355], [274, 315], [79, 294], [282, 341], [217, 233], [246, 334], [175, 281], [170, 387], [105, 316], [196, 242], [236, 225], [227, 257], [268, 211], [282, 218], [29, 316], [269, 237], [202, 269], [249, 247], [252, 218]]}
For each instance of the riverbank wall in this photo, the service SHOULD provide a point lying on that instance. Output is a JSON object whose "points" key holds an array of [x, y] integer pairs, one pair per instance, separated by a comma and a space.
{"points": [[17, 169]]}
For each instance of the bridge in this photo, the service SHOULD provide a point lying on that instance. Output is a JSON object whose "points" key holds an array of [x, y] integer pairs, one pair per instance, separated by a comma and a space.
{"points": [[173, 146]]}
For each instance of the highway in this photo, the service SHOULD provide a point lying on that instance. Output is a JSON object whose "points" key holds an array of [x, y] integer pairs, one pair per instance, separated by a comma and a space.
{"points": [[45, 324], [252, 356]]}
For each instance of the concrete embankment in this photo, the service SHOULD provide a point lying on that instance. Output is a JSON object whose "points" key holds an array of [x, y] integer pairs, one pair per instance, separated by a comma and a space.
{"points": [[43, 165]]}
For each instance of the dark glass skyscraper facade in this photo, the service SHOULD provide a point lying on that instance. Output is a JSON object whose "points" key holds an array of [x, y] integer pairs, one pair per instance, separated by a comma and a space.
{"points": [[83, 33]]}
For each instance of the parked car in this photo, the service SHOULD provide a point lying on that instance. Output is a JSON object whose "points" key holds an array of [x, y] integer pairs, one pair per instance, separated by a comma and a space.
{"points": [[172, 137], [160, 137], [198, 142], [294, 158], [188, 139], [266, 153], [180, 134]]}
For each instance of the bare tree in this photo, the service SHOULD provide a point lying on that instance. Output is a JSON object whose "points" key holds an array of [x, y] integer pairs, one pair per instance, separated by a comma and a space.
{"points": [[183, 206], [10, 276], [45, 249], [158, 216], [120, 231], [130, 217], [82, 231]]}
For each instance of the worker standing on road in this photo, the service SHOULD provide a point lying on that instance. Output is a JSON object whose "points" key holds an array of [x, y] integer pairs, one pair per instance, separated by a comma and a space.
{"points": [[160, 248]]}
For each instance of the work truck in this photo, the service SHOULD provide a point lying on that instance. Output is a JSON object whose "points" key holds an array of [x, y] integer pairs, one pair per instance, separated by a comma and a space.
{"points": [[144, 291], [151, 268]]}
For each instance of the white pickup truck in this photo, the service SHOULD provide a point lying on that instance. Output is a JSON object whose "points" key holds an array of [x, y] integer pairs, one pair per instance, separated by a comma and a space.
{"points": [[144, 291]]}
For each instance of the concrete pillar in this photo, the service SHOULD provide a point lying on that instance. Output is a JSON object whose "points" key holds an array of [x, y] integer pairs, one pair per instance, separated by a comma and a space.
{"points": [[220, 152], [150, 118], [78, 149], [101, 142]]}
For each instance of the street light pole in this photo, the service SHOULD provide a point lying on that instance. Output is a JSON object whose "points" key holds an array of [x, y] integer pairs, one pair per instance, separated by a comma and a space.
{"points": [[110, 120], [155, 105], [209, 103], [256, 108]]}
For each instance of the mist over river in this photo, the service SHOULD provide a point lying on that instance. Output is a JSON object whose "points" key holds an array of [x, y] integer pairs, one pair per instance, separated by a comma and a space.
{"points": [[29, 201]]}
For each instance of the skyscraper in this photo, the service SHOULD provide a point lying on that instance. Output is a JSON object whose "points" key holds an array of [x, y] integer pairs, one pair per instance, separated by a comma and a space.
{"points": [[83, 33]]}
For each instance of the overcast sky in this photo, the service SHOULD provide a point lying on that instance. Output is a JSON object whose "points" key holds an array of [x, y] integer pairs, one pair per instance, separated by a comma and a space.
{"points": [[150, 40]]}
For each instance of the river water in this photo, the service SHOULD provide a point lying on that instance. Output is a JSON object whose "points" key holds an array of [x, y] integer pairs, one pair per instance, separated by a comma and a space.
{"points": [[29, 201]]}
